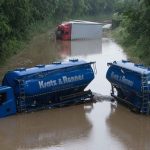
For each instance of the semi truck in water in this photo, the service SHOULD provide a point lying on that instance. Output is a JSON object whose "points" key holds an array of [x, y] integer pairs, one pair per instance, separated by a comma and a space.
{"points": [[45, 86], [79, 29], [131, 83]]}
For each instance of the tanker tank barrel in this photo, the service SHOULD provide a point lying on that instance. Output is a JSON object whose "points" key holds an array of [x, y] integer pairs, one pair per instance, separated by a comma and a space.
{"points": [[131, 81], [46, 86]]}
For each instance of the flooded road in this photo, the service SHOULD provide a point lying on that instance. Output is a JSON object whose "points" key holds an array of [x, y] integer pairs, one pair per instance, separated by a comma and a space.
{"points": [[101, 125]]}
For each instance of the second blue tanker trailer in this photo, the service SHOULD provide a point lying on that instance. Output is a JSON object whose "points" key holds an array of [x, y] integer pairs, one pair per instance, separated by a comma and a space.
{"points": [[131, 83], [45, 86]]}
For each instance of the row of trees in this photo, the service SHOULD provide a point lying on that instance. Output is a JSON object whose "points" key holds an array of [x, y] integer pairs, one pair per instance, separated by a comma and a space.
{"points": [[134, 31], [16, 16]]}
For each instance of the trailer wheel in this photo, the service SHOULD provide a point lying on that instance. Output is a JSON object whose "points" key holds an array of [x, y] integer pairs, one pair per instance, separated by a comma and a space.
{"points": [[135, 110], [120, 93], [3, 98], [58, 34]]}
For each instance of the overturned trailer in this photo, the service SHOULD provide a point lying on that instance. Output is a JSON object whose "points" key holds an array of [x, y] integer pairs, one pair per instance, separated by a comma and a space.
{"points": [[131, 83], [45, 86], [79, 29]]}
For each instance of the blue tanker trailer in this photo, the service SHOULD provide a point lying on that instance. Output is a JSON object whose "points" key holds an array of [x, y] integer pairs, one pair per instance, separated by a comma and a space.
{"points": [[130, 84], [45, 86]]}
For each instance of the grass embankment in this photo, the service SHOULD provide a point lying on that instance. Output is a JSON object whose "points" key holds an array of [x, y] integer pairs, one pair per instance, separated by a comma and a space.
{"points": [[15, 46], [136, 53]]}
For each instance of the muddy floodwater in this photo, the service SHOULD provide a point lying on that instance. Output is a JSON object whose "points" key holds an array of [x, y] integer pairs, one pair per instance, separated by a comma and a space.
{"points": [[94, 126]]}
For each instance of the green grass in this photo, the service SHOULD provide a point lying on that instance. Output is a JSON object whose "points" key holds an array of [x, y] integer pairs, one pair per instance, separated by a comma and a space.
{"points": [[14, 46]]}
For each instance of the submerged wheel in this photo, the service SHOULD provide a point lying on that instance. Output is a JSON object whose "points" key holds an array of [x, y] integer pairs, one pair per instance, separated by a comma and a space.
{"points": [[58, 34], [120, 93]]}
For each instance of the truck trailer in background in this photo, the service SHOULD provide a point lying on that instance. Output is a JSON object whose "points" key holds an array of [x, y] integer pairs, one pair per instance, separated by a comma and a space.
{"points": [[79, 29]]}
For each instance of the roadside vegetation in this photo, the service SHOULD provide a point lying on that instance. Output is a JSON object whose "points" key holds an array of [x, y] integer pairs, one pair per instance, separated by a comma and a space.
{"points": [[21, 19], [131, 24]]}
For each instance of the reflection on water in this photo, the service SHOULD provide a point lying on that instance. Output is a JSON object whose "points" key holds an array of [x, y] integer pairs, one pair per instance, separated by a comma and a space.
{"points": [[79, 48], [45, 128], [131, 129], [81, 127]]}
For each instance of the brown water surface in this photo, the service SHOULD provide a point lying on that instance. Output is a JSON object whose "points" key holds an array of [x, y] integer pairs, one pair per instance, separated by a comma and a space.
{"points": [[98, 126]]}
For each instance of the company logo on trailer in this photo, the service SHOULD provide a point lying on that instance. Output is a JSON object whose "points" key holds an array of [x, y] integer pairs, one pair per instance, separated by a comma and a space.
{"points": [[121, 79], [60, 81]]}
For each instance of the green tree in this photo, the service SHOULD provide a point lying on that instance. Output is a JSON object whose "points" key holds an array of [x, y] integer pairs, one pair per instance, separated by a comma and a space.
{"points": [[18, 14], [80, 7], [64, 9], [135, 26]]}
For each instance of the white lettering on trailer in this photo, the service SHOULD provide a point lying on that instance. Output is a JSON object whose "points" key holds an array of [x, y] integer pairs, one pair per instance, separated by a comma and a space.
{"points": [[63, 80], [72, 79], [121, 79], [50, 83]]}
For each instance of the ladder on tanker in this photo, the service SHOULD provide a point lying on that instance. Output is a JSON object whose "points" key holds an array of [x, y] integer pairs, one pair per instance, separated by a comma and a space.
{"points": [[22, 99], [145, 95]]}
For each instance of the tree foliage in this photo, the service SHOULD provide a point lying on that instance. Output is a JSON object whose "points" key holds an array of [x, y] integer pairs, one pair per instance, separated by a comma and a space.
{"points": [[135, 24]]}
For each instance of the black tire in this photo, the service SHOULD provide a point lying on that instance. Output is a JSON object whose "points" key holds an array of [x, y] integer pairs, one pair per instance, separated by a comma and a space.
{"points": [[58, 34], [120, 93]]}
